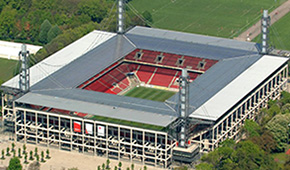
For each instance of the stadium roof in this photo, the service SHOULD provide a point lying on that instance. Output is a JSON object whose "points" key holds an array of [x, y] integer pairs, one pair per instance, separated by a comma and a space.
{"points": [[61, 58], [103, 104], [236, 89], [58, 89]]}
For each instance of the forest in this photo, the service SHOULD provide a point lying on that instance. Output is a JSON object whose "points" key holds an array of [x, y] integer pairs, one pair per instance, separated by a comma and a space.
{"points": [[56, 23]]}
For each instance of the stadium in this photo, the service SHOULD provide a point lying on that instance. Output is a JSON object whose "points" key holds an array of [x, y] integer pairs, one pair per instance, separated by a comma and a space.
{"points": [[147, 95]]}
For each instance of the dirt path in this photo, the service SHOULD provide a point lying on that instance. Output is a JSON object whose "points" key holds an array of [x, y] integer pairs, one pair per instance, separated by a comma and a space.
{"points": [[255, 30]]}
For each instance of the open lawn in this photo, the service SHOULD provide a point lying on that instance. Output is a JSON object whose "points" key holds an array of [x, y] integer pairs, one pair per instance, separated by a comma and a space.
{"points": [[224, 18], [280, 33], [150, 93], [7, 68]]}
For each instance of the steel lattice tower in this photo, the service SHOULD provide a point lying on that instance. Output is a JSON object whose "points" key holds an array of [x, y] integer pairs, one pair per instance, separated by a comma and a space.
{"points": [[183, 107], [265, 32], [120, 18], [24, 69]]}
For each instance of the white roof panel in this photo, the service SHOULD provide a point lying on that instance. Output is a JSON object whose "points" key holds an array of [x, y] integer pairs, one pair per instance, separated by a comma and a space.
{"points": [[10, 50], [62, 57], [232, 93]]}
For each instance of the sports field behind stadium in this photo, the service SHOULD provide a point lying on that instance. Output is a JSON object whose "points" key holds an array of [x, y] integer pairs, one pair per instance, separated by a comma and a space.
{"points": [[150, 93], [223, 18]]}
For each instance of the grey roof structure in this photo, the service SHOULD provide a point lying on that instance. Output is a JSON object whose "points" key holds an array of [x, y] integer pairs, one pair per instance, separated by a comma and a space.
{"points": [[103, 104], [58, 90]]}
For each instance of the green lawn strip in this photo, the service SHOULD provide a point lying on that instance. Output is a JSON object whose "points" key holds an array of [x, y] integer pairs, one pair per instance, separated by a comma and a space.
{"points": [[128, 123], [222, 18], [7, 69]]}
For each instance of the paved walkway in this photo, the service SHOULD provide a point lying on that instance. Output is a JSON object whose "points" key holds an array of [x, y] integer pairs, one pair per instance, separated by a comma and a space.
{"points": [[255, 30]]}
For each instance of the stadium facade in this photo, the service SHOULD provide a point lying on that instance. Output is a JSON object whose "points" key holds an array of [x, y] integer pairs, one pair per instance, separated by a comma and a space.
{"points": [[76, 100]]}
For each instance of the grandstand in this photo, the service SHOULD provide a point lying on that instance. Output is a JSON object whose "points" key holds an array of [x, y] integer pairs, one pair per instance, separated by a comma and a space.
{"points": [[82, 105]]}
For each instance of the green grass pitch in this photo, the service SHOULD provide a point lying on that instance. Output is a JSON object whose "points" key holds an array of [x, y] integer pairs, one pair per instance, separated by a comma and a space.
{"points": [[150, 93], [223, 18]]}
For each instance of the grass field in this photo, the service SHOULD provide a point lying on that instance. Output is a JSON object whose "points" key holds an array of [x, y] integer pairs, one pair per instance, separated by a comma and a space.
{"points": [[7, 68], [150, 94], [224, 18], [280, 33]]}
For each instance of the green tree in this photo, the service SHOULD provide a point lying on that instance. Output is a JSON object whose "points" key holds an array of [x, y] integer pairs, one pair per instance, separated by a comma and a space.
{"points": [[103, 166], [24, 149], [43, 34], [37, 159], [13, 146], [19, 153], [47, 154], [14, 164], [108, 164], [3, 153], [31, 155], [42, 156], [252, 128], [35, 151], [99, 167], [132, 166], [7, 23], [7, 151], [278, 126], [204, 166], [148, 17], [25, 158], [120, 165], [95, 9], [53, 32]]}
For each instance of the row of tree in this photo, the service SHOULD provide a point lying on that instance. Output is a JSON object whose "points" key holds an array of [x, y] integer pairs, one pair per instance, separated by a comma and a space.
{"points": [[270, 135]]}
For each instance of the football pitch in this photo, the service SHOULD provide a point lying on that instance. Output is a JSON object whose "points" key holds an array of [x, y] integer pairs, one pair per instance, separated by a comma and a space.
{"points": [[149, 93], [223, 18]]}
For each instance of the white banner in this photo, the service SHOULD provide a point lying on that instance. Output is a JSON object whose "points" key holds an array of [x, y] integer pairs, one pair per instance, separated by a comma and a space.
{"points": [[101, 131], [89, 128]]}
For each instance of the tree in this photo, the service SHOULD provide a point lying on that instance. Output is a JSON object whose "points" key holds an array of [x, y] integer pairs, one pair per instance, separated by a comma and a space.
{"points": [[24, 149], [25, 158], [7, 151], [47, 154], [108, 164], [31, 155], [99, 167], [13, 145], [103, 166], [278, 126], [37, 159], [252, 128], [204, 166], [53, 32], [132, 166], [120, 165], [44, 28], [95, 9], [42, 156], [14, 164], [148, 17], [35, 151], [116, 168], [19, 153], [145, 167], [3, 153], [7, 23]]}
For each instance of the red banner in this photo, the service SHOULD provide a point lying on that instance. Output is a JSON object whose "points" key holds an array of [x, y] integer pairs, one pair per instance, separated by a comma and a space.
{"points": [[77, 126]]}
